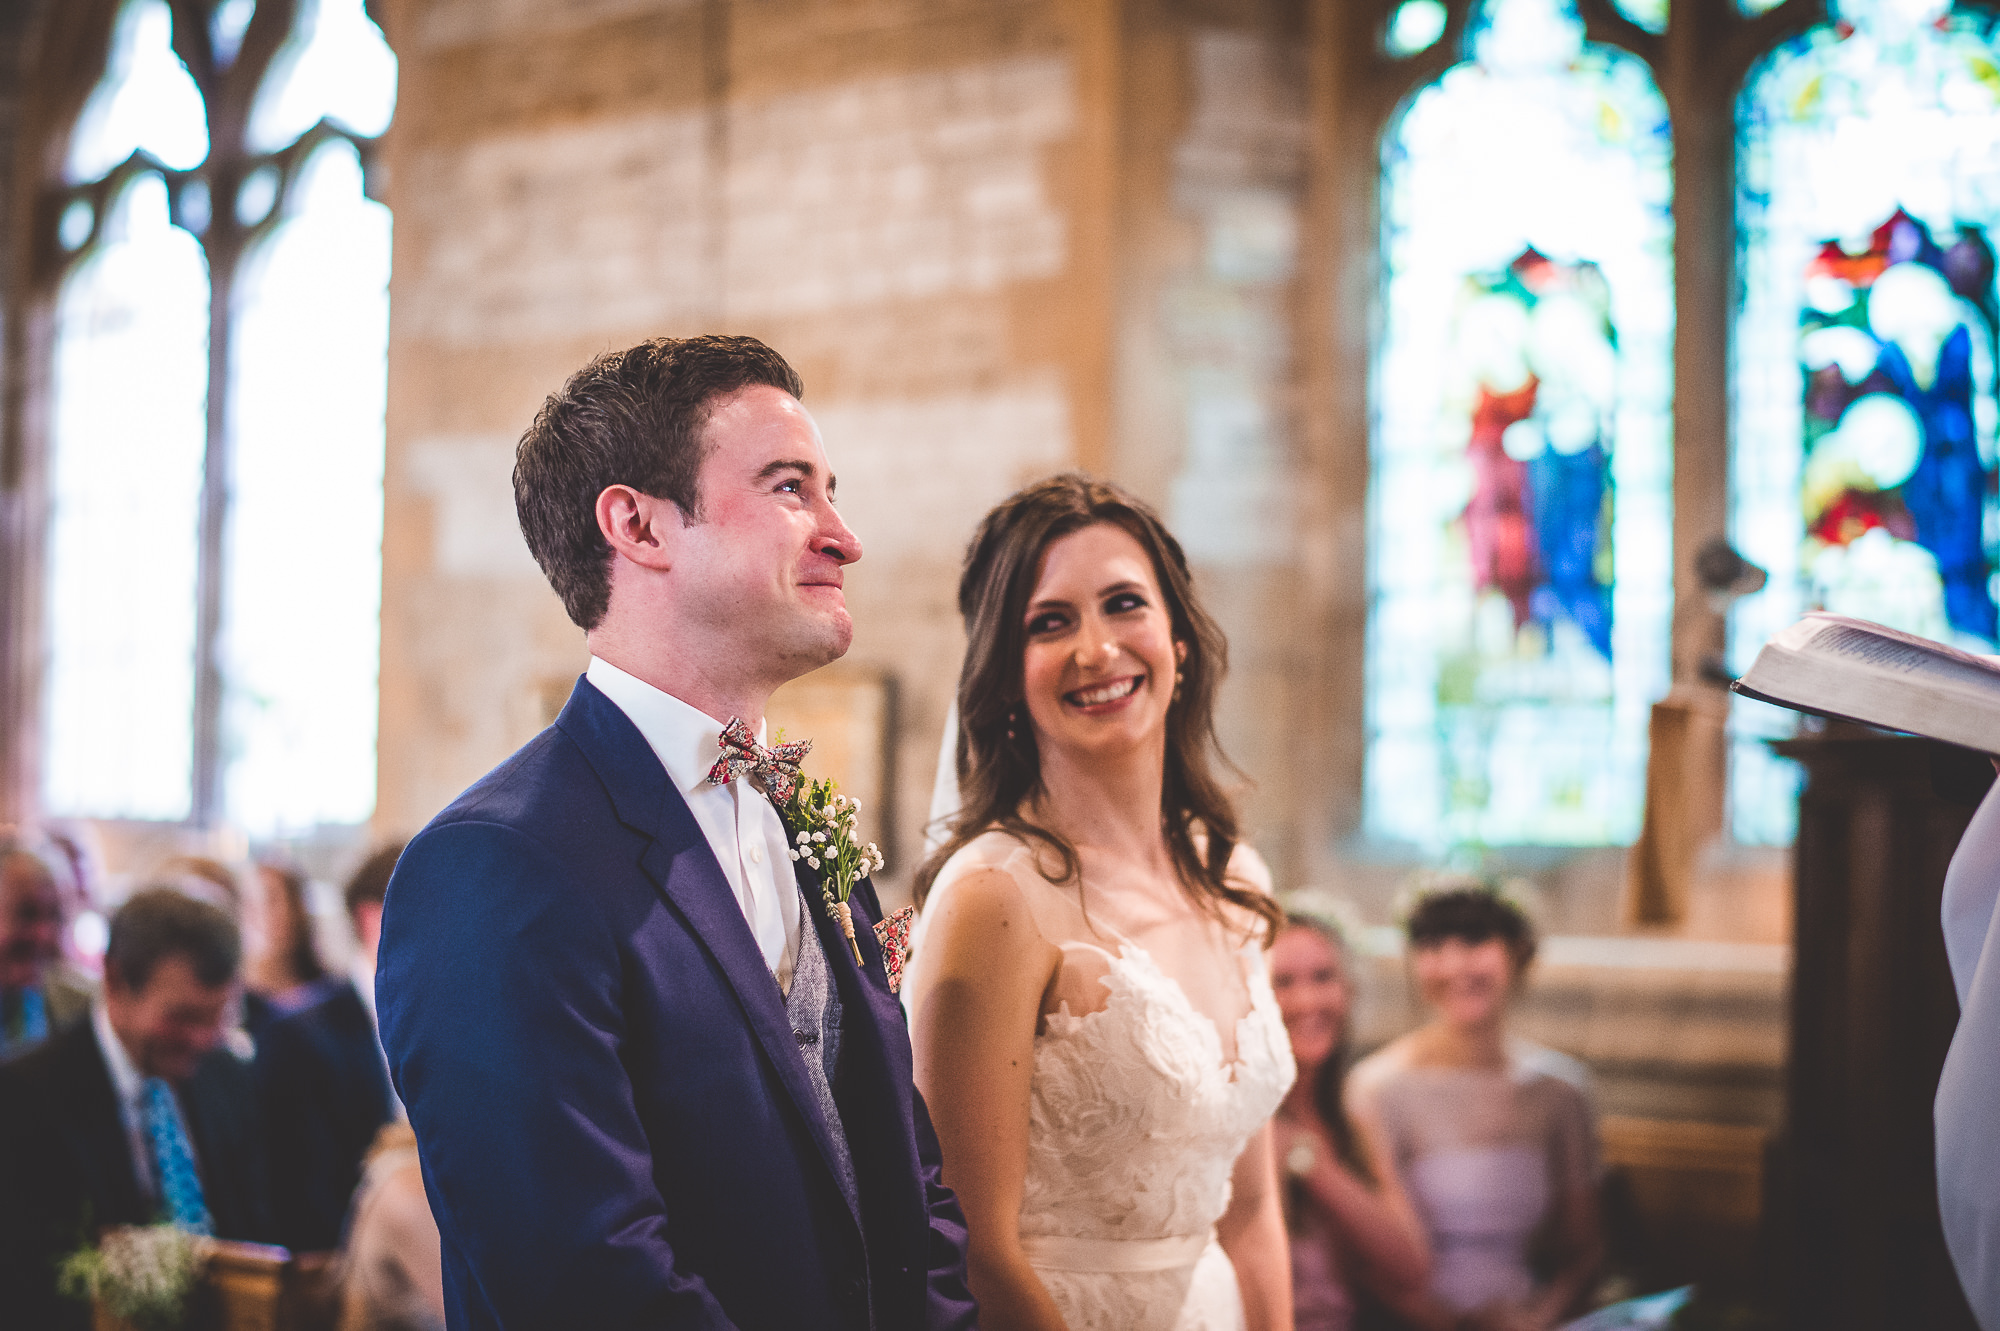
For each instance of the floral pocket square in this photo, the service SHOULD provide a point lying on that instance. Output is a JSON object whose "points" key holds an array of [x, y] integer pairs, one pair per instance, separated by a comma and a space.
{"points": [[894, 936]]}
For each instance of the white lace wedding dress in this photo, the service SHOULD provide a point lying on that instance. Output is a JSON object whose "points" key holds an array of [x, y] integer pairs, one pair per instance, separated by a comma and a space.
{"points": [[1138, 1112]]}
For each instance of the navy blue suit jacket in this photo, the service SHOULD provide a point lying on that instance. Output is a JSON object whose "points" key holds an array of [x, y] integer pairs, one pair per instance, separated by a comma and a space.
{"points": [[325, 1095], [612, 1111]]}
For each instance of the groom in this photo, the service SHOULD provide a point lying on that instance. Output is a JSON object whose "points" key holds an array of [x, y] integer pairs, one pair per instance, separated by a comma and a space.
{"points": [[650, 1085]]}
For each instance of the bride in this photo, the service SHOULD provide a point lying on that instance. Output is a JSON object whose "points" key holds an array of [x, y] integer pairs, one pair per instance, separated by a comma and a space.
{"points": [[1093, 1025]]}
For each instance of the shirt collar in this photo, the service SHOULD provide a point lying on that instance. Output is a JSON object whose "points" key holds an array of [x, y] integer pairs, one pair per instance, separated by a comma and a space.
{"points": [[683, 737], [125, 1078]]}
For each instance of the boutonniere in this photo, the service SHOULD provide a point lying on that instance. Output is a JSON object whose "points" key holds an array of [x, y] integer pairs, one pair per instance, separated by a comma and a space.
{"points": [[893, 934], [822, 822]]}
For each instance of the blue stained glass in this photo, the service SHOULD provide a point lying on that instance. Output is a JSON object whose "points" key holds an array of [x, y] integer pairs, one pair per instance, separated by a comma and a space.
{"points": [[1648, 14], [1414, 27], [1520, 496], [1862, 466]]}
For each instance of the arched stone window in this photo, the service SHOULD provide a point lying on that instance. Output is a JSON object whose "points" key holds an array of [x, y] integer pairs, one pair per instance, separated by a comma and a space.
{"points": [[214, 441], [1521, 578]]}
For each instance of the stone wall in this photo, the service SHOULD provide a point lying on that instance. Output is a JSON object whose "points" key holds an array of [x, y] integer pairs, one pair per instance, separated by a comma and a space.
{"points": [[898, 196]]}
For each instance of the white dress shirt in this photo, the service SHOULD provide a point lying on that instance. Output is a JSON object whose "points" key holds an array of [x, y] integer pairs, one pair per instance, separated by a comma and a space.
{"points": [[130, 1086], [738, 819]]}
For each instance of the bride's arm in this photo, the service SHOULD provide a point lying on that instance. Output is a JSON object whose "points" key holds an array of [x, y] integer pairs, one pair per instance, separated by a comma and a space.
{"points": [[977, 987], [1252, 1233]]}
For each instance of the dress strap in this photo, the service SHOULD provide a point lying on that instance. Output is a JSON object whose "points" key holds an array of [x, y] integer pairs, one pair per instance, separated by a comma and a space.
{"points": [[1052, 1252]]}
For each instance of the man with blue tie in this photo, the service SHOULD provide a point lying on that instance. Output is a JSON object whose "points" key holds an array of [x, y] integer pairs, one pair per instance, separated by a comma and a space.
{"points": [[653, 1083], [138, 1115]]}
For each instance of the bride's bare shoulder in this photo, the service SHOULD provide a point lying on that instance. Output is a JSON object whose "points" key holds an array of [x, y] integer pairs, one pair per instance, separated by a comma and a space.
{"points": [[986, 877], [979, 922]]}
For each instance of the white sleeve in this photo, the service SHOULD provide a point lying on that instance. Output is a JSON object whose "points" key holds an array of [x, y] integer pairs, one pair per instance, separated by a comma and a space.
{"points": [[1968, 1097]]}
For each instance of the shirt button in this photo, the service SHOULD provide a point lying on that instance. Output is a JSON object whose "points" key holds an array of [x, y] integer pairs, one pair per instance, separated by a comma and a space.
{"points": [[756, 853]]}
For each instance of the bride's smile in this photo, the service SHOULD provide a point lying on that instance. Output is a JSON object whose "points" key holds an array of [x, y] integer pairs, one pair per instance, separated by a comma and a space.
{"points": [[1100, 700]]}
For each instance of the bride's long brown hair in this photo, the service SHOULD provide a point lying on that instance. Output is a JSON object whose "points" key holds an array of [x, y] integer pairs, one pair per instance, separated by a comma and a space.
{"points": [[999, 772]]}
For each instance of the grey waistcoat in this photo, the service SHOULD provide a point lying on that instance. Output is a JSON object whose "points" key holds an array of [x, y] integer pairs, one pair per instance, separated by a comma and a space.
{"points": [[813, 1008]]}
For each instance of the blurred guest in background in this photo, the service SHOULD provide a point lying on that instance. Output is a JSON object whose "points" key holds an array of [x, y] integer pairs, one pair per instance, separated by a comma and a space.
{"points": [[1353, 1231], [1493, 1139], [134, 1116], [325, 1083], [205, 879], [392, 1276], [287, 971], [39, 994]]}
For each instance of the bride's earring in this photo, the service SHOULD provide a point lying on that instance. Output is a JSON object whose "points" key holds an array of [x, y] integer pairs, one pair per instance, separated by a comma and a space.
{"points": [[1013, 719], [1178, 677]]}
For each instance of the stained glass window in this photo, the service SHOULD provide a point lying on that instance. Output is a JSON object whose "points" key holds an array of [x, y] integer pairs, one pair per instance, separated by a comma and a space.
{"points": [[1520, 497], [303, 601], [130, 418], [1862, 473], [178, 550]]}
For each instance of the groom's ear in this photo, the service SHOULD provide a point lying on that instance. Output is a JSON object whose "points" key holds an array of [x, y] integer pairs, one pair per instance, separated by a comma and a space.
{"points": [[639, 527]]}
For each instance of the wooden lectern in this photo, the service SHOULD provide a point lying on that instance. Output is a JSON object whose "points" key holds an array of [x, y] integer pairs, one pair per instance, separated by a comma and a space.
{"points": [[1854, 1210]]}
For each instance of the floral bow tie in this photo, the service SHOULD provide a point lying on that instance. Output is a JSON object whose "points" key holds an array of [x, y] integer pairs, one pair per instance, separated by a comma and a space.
{"points": [[777, 767]]}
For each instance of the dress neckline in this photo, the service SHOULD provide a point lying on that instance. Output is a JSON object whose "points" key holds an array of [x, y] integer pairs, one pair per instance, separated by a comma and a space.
{"points": [[1133, 957]]}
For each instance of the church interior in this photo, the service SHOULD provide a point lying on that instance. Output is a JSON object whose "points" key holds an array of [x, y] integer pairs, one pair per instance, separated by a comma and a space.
{"points": [[1494, 361]]}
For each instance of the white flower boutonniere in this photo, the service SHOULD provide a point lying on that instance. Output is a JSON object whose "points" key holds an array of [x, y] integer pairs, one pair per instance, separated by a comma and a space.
{"points": [[823, 827]]}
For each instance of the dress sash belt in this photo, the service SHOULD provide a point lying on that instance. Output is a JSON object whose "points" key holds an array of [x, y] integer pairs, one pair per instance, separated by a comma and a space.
{"points": [[1052, 1252]]}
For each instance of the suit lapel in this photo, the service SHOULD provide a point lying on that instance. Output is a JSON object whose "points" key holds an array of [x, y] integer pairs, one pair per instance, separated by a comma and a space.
{"points": [[877, 1104], [99, 1131], [683, 867], [864, 985]]}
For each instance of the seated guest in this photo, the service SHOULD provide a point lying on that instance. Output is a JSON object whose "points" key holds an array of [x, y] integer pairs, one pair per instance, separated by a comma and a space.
{"points": [[204, 879], [39, 995], [208, 879], [1353, 1231], [286, 970], [392, 1276], [1492, 1138], [325, 1083], [135, 1116]]}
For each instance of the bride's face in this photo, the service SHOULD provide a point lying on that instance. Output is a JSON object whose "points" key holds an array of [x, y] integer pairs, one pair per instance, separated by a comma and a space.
{"points": [[1098, 673]]}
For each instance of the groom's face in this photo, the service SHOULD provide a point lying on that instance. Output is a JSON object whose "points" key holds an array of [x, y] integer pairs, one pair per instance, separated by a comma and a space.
{"points": [[765, 562]]}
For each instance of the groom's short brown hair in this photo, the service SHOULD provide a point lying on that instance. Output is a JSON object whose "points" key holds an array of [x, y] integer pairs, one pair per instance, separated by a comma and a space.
{"points": [[631, 417]]}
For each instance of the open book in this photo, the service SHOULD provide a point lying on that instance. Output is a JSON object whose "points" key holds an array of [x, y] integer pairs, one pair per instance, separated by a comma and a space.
{"points": [[1853, 670]]}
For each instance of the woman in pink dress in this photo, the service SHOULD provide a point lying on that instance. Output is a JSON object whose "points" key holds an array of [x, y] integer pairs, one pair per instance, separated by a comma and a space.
{"points": [[1493, 1139], [1352, 1229]]}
